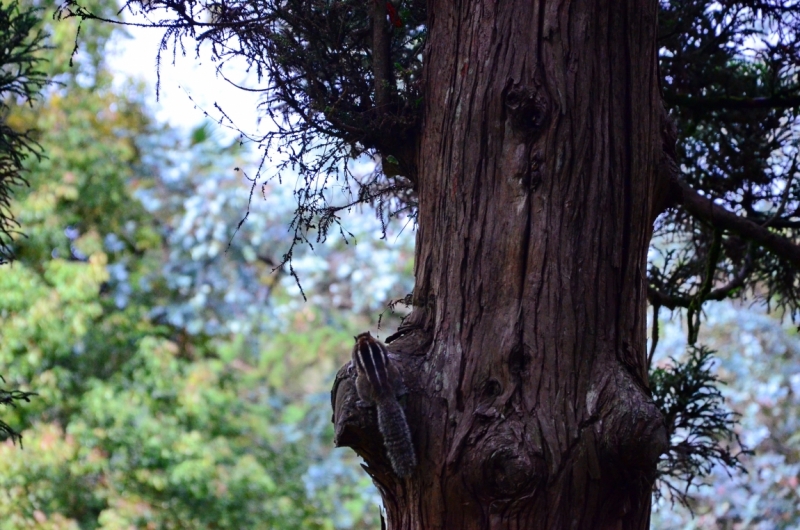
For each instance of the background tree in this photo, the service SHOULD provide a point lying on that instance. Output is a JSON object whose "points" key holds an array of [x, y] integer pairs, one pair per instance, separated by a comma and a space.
{"points": [[147, 409], [531, 143]]}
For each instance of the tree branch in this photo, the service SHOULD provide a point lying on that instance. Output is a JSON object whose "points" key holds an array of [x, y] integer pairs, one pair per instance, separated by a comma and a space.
{"points": [[654, 336], [693, 314], [380, 55], [734, 103], [784, 195], [658, 298], [707, 210]]}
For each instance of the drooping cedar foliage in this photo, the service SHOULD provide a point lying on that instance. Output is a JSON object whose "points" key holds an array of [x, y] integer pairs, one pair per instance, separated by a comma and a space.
{"points": [[731, 86], [20, 82], [329, 100]]}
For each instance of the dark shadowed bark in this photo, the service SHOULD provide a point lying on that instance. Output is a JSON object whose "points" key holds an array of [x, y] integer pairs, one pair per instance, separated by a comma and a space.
{"points": [[525, 356]]}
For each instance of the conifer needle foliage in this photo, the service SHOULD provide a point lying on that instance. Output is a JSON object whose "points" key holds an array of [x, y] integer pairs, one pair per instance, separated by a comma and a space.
{"points": [[699, 425], [20, 81]]}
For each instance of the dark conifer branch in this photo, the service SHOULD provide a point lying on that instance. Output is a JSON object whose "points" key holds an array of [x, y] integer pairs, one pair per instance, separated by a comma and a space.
{"points": [[688, 395], [777, 223], [654, 334], [20, 79], [701, 103], [695, 306], [733, 97], [659, 298], [784, 196], [380, 55], [714, 214]]}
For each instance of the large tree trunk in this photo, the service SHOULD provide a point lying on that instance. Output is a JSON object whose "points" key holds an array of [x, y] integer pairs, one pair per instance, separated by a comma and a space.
{"points": [[525, 353]]}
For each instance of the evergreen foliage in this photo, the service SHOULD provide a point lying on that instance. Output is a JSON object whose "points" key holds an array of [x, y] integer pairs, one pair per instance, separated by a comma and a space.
{"points": [[688, 395], [20, 82], [730, 83], [759, 360], [730, 80]]}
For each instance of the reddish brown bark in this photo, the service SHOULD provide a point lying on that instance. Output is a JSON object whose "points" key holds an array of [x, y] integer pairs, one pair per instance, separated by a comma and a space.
{"points": [[525, 353]]}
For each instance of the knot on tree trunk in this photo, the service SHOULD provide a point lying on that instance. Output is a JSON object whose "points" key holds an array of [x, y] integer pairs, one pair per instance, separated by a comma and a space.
{"points": [[627, 428], [528, 108], [504, 464], [528, 111]]}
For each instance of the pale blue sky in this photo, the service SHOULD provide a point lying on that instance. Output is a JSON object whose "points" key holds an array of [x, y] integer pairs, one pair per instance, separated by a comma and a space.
{"points": [[136, 57]]}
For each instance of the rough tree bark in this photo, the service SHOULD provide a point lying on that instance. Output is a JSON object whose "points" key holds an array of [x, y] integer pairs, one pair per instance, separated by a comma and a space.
{"points": [[525, 354]]}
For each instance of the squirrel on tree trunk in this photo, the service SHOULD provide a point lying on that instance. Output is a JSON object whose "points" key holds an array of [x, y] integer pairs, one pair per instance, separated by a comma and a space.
{"points": [[378, 382]]}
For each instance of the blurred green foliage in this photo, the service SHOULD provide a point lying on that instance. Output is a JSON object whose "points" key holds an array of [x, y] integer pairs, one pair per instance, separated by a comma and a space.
{"points": [[140, 420]]}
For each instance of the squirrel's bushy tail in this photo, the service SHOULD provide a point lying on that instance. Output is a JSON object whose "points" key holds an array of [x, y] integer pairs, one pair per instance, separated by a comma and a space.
{"points": [[396, 437]]}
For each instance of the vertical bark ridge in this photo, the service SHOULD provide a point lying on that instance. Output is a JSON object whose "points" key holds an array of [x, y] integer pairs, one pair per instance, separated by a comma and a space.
{"points": [[536, 176]]}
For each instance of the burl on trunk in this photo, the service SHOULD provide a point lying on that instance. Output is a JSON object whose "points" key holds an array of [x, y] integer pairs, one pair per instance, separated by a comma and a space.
{"points": [[524, 356]]}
